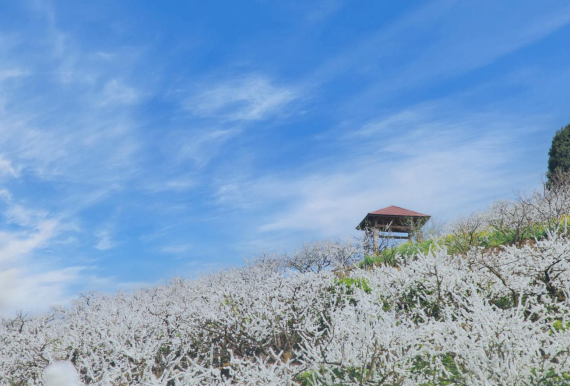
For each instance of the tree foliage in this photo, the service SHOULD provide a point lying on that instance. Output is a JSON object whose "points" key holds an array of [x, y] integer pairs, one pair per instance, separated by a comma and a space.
{"points": [[559, 154]]}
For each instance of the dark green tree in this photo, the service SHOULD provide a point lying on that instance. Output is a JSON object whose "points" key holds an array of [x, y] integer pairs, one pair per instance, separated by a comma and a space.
{"points": [[559, 154]]}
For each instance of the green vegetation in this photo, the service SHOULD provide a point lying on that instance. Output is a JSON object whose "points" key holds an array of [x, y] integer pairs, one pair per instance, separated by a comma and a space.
{"points": [[552, 379], [307, 378], [459, 241], [488, 238], [354, 374], [559, 154], [420, 365], [392, 257], [425, 366], [559, 326], [351, 282]]}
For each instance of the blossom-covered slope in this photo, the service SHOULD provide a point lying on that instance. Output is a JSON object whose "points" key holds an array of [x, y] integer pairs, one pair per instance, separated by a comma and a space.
{"points": [[485, 318], [489, 316]]}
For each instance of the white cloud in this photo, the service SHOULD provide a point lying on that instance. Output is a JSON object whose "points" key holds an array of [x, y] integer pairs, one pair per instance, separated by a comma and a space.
{"points": [[5, 195], [81, 134], [90, 146], [385, 126], [20, 215], [84, 130], [7, 168], [14, 245], [475, 42], [10, 73], [105, 240], [26, 281], [22, 289], [430, 162], [180, 183], [8, 289], [176, 249], [116, 92], [201, 148], [251, 98], [30, 280]]}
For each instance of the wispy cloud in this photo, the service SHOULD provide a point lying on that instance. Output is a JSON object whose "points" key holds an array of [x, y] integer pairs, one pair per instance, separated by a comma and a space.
{"points": [[22, 289], [179, 183], [116, 92], [26, 281], [20, 215], [248, 98], [428, 161], [473, 43], [76, 141], [104, 240], [7, 168], [10, 73], [384, 126], [82, 130], [15, 245], [199, 146], [176, 249], [5, 195]]}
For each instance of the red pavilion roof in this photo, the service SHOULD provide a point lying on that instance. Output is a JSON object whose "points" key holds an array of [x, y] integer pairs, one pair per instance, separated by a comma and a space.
{"points": [[397, 211]]}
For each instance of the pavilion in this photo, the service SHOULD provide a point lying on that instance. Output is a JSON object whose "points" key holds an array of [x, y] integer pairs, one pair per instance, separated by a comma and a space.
{"points": [[392, 219]]}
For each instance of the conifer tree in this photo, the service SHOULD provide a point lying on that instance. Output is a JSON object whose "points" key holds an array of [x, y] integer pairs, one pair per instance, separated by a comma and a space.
{"points": [[559, 154]]}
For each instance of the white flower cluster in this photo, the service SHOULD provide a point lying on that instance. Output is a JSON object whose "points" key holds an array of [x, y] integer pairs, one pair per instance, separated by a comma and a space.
{"points": [[486, 318]]}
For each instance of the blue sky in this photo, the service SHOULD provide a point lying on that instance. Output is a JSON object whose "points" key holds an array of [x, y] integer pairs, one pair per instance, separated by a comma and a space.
{"points": [[142, 140]]}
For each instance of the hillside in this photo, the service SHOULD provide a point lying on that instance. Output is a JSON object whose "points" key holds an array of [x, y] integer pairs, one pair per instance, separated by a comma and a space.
{"points": [[486, 304]]}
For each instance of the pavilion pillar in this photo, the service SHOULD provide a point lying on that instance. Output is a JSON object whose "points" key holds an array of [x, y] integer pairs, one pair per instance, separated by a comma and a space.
{"points": [[376, 234]]}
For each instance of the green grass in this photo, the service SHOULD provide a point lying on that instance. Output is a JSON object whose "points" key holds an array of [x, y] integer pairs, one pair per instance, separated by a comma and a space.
{"points": [[456, 244], [351, 282], [392, 257]]}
